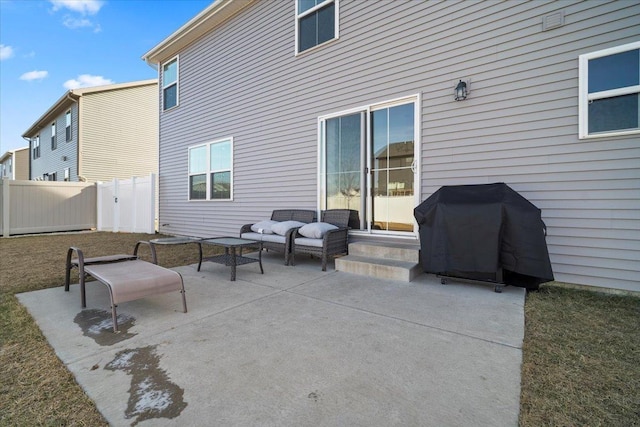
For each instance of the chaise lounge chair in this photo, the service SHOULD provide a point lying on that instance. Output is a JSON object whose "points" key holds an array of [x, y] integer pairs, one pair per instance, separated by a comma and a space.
{"points": [[127, 279]]}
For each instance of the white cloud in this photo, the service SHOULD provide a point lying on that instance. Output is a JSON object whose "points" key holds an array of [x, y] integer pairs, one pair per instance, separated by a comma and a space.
{"points": [[74, 23], [34, 75], [85, 7], [87, 80], [6, 52]]}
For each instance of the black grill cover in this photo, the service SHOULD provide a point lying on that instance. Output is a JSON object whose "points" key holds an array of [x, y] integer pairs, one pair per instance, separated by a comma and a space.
{"points": [[473, 231]]}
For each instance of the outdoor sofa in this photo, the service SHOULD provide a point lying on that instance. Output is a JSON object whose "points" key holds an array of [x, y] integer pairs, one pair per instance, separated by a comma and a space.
{"points": [[325, 239], [275, 233]]}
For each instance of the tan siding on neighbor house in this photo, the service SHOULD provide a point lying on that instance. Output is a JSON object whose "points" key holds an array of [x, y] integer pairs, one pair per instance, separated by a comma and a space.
{"points": [[119, 133], [519, 124]]}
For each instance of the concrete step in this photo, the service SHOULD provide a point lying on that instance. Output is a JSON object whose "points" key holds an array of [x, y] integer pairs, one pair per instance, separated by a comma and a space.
{"points": [[382, 268], [409, 252]]}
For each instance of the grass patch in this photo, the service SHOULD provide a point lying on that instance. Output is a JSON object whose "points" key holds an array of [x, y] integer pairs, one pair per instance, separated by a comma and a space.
{"points": [[36, 388], [581, 359], [581, 353]]}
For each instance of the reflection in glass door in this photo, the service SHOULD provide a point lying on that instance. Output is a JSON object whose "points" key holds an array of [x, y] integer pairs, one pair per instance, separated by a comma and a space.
{"points": [[392, 168], [367, 166], [344, 177]]}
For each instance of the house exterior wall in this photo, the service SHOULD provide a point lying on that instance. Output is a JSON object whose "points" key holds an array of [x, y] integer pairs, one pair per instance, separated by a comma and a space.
{"points": [[14, 164], [119, 133], [21, 164], [64, 155], [518, 126]]}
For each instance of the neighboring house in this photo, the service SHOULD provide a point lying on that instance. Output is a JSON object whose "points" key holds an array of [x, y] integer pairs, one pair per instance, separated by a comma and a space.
{"points": [[14, 164], [97, 134], [350, 103]]}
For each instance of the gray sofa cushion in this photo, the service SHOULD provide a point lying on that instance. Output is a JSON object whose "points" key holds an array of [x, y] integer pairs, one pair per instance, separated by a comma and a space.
{"points": [[275, 238]]}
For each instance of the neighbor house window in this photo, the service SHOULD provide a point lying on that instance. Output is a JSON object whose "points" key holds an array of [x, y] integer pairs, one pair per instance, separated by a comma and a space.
{"points": [[36, 147], [53, 176], [316, 23], [66, 174], [67, 119], [210, 170], [170, 84], [54, 141], [610, 91]]}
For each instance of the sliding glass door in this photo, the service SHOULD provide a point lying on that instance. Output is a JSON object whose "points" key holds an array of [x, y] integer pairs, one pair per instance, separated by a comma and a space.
{"points": [[368, 166]]}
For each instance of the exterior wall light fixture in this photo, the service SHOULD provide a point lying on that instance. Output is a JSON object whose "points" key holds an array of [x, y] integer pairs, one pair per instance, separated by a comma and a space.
{"points": [[461, 91]]}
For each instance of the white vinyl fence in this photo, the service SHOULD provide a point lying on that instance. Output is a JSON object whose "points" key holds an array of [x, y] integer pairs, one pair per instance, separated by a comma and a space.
{"points": [[127, 205], [28, 207], [44, 207]]}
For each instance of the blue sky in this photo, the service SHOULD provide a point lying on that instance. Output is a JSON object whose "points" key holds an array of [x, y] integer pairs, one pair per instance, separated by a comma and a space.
{"points": [[50, 46]]}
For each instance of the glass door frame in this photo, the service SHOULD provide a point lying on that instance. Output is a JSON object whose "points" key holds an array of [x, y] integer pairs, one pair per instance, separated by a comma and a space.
{"points": [[367, 204]]}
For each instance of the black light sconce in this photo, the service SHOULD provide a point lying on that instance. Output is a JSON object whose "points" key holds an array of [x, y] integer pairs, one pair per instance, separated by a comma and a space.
{"points": [[461, 91]]}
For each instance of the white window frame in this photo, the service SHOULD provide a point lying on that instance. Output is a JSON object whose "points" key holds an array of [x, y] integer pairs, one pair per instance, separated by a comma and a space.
{"points": [[209, 171], [36, 147], [68, 133], [299, 16], [54, 139], [176, 83], [584, 97]]}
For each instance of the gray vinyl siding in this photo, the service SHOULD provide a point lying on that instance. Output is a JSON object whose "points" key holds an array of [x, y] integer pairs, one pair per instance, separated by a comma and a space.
{"points": [[518, 126], [119, 133], [65, 154]]}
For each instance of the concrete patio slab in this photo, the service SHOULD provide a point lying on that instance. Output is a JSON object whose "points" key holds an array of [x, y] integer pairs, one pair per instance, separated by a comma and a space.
{"points": [[295, 346]]}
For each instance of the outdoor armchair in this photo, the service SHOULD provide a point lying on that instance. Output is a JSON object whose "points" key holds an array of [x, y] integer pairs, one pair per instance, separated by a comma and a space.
{"points": [[325, 239]]}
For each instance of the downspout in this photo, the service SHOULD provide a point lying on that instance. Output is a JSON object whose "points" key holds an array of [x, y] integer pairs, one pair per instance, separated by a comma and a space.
{"points": [[70, 98]]}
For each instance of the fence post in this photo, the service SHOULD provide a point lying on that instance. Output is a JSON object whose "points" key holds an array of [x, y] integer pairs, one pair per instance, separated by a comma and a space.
{"points": [[152, 214], [6, 208], [99, 206], [116, 207]]}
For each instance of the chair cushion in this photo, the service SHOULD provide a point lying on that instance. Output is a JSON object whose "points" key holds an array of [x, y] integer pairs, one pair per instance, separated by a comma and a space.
{"points": [[305, 241], [316, 230], [263, 227], [282, 227], [274, 238]]}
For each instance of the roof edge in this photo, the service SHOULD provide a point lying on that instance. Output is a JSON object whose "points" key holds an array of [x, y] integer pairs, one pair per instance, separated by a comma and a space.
{"points": [[216, 13]]}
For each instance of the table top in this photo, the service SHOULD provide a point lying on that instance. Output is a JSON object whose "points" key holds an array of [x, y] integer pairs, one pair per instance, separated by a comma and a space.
{"points": [[229, 241], [174, 240]]}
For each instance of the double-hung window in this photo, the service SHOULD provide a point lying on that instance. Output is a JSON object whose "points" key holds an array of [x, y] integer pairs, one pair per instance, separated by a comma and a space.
{"points": [[54, 140], [609, 102], [36, 147], [210, 170], [67, 121], [316, 23], [170, 84]]}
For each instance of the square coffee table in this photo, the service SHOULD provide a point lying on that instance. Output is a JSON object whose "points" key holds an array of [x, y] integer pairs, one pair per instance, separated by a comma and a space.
{"points": [[230, 258]]}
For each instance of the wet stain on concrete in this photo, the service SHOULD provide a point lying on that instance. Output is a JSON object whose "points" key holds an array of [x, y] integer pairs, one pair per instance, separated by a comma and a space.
{"points": [[151, 394], [98, 325]]}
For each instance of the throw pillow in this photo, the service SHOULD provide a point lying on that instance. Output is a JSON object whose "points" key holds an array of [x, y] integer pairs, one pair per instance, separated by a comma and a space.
{"points": [[263, 227], [316, 230], [281, 228]]}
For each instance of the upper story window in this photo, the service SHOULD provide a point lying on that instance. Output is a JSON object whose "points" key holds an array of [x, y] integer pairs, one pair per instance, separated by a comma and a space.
{"points": [[610, 91], [316, 23], [54, 140], [210, 171], [170, 84], [67, 119], [36, 147]]}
